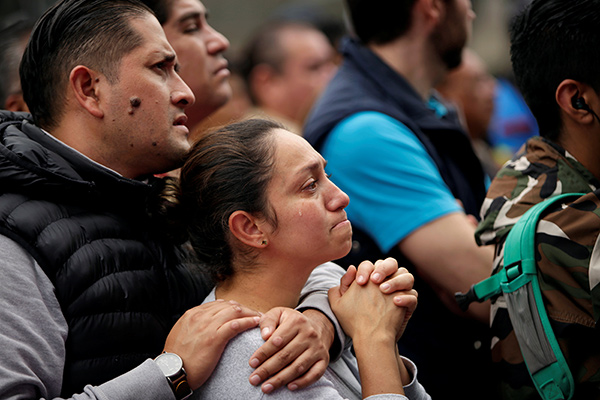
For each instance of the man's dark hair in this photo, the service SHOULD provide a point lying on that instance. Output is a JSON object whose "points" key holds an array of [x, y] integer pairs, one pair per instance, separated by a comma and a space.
{"points": [[94, 33], [380, 21], [554, 40], [161, 8], [14, 32]]}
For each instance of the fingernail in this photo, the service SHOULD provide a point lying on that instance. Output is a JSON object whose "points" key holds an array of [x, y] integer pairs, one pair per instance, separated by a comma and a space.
{"points": [[293, 387], [385, 286], [254, 363], [257, 319], [360, 279], [265, 331], [376, 276], [398, 301], [254, 380], [267, 388]]}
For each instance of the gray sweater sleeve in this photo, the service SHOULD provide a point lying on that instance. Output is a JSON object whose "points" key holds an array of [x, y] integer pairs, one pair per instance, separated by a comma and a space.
{"points": [[314, 295], [33, 335]]}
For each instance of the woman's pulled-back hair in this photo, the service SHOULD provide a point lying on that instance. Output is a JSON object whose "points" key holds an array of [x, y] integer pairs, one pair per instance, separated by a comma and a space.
{"points": [[226, 171]]}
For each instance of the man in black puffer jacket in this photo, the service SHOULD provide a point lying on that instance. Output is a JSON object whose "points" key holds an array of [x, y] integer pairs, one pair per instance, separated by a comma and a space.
{"points": [[93, 286]]}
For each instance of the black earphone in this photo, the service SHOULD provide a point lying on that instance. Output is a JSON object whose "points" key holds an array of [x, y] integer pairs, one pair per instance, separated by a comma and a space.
{"points": [[579, 103]]}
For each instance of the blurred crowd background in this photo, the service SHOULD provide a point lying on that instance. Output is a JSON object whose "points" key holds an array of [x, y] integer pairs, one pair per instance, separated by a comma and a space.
{"points": [[237, 18], [511, 123]]}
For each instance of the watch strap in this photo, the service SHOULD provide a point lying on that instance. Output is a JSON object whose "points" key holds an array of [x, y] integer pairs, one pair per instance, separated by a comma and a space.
{"points": [[180, 386]]}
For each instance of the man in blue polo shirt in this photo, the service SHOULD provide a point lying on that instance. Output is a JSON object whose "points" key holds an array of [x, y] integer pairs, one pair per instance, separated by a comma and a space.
{"points": [[412, 176]]}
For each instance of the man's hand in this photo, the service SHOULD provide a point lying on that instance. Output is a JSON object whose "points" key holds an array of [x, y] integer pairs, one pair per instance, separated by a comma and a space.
{"points": [[296, 352], [201, 334]]}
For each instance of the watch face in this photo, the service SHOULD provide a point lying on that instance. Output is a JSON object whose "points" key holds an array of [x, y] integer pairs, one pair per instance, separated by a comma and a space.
{"points": [[169, 363]]}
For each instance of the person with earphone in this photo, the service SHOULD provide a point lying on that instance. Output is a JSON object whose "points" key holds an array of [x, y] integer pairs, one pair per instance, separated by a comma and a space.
{"points": [[558, 76]]}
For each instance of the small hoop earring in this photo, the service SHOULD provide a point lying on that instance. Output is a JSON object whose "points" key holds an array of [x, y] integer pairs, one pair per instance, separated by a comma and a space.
{"points": [[264, 242]]}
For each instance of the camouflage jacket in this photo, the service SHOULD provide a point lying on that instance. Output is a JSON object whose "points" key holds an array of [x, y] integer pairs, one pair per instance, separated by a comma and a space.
{"points": [[569, 262]]}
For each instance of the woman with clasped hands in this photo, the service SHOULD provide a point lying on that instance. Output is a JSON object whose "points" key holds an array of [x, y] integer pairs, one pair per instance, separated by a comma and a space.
{"points": [[261, 214]]}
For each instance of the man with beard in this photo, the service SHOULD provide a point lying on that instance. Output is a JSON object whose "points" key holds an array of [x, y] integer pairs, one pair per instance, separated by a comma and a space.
{"points": [[412, 176]]}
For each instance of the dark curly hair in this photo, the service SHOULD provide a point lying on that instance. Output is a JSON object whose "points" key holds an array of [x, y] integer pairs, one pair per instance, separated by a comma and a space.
{"points": [[226, 170]]}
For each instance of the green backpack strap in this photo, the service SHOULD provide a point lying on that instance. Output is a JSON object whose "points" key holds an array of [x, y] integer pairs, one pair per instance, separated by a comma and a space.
{"points": [[518, 281]]}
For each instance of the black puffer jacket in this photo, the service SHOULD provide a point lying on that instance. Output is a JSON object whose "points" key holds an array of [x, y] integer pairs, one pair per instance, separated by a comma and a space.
{"points": [[118, 279]]}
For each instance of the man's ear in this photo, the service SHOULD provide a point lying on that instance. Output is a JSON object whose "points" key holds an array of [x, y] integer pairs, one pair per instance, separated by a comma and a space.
{"points": [[432, 10], [247, 229], [576, 99], [15, 102], [85, 85], [263, 81]]}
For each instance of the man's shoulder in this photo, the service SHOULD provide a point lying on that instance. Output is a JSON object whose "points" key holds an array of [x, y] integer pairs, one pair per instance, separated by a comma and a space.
{"points": [[538, 171], [373, 141], [14, 116], [372, 128], [371, 120]]}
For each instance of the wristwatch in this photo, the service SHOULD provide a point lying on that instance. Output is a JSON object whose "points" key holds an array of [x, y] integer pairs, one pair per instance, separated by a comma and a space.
{"points": [[172, 366]]}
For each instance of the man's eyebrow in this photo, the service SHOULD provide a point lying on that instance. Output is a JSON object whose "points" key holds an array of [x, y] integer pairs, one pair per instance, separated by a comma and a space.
{"points": [[168, 57], [191, 15], [165, 57]]}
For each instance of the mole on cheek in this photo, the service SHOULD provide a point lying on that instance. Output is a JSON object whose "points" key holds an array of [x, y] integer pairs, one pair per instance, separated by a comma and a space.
{"points": [[135, 102]]}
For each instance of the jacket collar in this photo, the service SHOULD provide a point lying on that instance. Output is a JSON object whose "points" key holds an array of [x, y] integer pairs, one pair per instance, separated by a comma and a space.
{"points": [[391, 82]]}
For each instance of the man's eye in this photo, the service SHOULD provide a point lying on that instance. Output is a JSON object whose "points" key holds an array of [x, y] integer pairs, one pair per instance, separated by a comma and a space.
{"points": [[191, 28]]}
